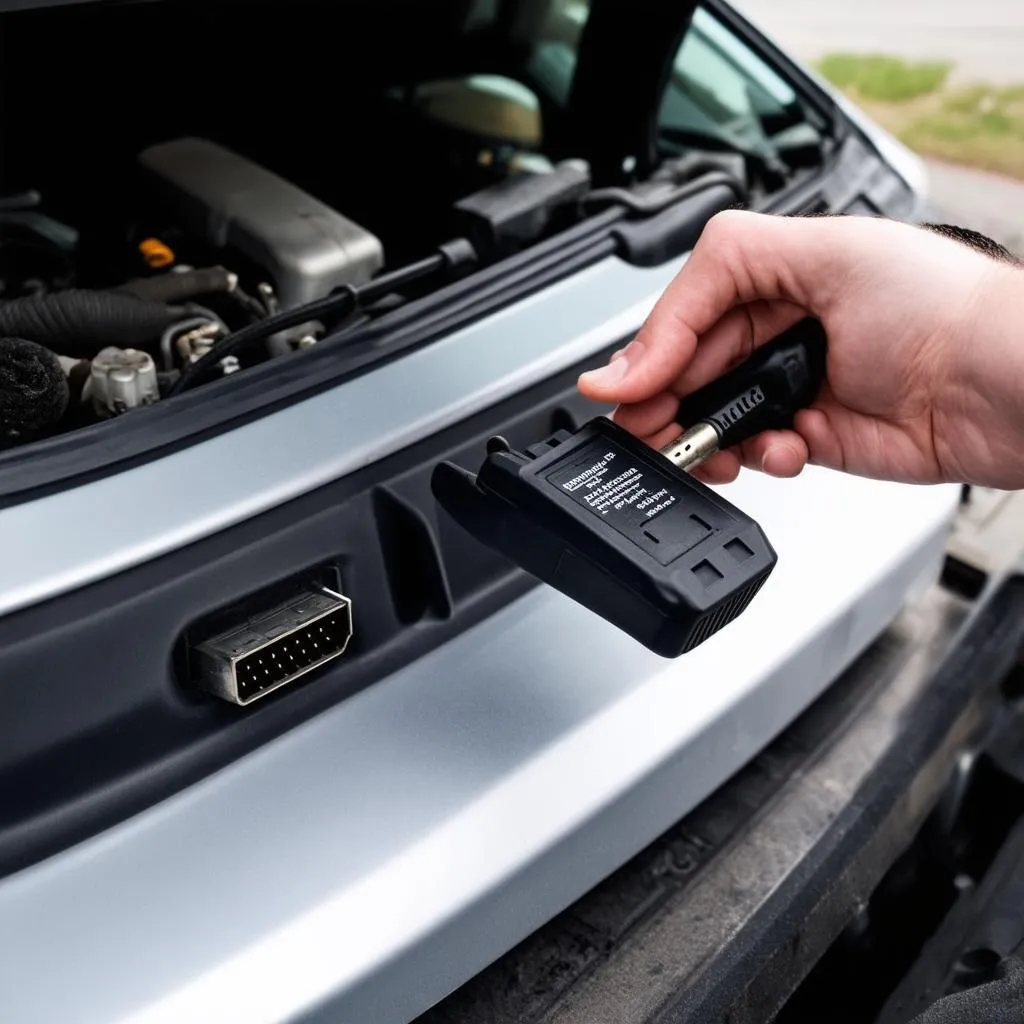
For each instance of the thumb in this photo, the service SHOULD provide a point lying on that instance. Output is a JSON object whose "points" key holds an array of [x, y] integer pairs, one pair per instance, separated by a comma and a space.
{"points": [[740, 257]]}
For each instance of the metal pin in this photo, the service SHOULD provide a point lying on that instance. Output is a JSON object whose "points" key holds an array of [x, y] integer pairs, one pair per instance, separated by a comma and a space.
{"points": [[693, 447]]}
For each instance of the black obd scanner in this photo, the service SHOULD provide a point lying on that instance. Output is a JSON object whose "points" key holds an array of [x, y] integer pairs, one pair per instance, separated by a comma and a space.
{"points": [[624, 529]]}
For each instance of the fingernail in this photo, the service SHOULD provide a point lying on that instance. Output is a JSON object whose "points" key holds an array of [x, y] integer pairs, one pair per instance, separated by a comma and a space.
{"points": [[608, 376], [785, 465]]}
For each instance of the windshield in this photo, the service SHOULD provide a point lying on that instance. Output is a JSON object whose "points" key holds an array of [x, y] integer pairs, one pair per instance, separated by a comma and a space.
{"points": [[720, 88]]}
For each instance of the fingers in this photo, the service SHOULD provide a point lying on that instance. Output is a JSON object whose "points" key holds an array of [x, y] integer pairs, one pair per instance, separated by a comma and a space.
{"points": [[649, 417], [782, 453], [721, 468], [740, 258], [824, 444], [732, 340], [662, 437], [729, 298]]}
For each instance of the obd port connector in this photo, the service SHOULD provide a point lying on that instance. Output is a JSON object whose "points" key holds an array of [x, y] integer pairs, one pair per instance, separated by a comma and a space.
{"points": [[275, 648]]}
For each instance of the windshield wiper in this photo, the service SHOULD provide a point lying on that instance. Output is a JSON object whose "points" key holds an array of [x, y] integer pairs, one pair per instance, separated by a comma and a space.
{"points": [[763, 157]]}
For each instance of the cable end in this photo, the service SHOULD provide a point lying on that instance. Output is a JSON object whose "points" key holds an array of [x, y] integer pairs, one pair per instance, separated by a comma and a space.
{"points": [[692, 447]]}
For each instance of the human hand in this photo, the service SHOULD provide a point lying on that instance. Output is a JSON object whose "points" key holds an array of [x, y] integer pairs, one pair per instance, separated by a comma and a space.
{"points": [[925, 374]]}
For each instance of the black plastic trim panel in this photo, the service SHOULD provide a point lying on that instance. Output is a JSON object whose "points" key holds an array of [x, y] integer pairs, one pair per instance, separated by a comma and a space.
{"points": [[100, 720]]}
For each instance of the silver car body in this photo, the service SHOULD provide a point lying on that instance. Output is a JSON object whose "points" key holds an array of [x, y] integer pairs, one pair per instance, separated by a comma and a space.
{"points": [[369, 861]]}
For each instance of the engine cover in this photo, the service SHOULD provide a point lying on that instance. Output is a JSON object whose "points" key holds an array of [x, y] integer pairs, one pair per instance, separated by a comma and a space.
{"points": [[306, 247]]}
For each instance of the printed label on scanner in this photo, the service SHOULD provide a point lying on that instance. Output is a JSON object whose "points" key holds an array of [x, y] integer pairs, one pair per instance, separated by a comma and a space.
{"points": [[630, 496], [611, 485]]}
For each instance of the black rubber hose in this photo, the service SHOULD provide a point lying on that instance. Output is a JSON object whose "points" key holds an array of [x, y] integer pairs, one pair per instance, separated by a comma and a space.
{"points": [[78, 323], [34, 390], [177, 288]]}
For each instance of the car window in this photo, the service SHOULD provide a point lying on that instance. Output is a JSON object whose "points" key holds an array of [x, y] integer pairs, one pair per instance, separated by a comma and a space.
{"points": [[722, 90]]}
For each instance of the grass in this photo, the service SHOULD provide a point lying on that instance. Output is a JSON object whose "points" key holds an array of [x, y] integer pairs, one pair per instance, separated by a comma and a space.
{"points": [[978, 125], [881, 79]]}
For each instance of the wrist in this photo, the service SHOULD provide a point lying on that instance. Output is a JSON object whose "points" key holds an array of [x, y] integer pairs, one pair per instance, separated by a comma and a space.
{"points": [[979, 423]]}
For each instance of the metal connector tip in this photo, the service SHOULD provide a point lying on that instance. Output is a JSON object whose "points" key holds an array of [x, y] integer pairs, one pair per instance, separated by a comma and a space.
{"points": [[270, 650], [693, 447]]}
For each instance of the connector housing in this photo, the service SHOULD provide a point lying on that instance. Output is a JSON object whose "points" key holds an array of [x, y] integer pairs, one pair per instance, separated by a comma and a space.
{"points": [[275, 648], [614, 525]]}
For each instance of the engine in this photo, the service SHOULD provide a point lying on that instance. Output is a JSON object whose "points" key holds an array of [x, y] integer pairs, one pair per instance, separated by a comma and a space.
{"points": [[305, 249], [224, 243], [227, 265]]}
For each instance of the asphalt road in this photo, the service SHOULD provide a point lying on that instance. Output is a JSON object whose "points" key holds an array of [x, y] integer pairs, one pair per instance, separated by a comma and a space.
{"points": [[984, 37], [986, 202]]}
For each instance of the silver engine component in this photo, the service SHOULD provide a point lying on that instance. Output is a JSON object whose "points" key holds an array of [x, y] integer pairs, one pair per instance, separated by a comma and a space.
{"points": [[122, 379], [307, 248]]}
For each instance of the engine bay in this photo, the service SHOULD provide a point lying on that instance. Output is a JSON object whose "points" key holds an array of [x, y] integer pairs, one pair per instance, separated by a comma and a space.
{"points": [[180, 202]]}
